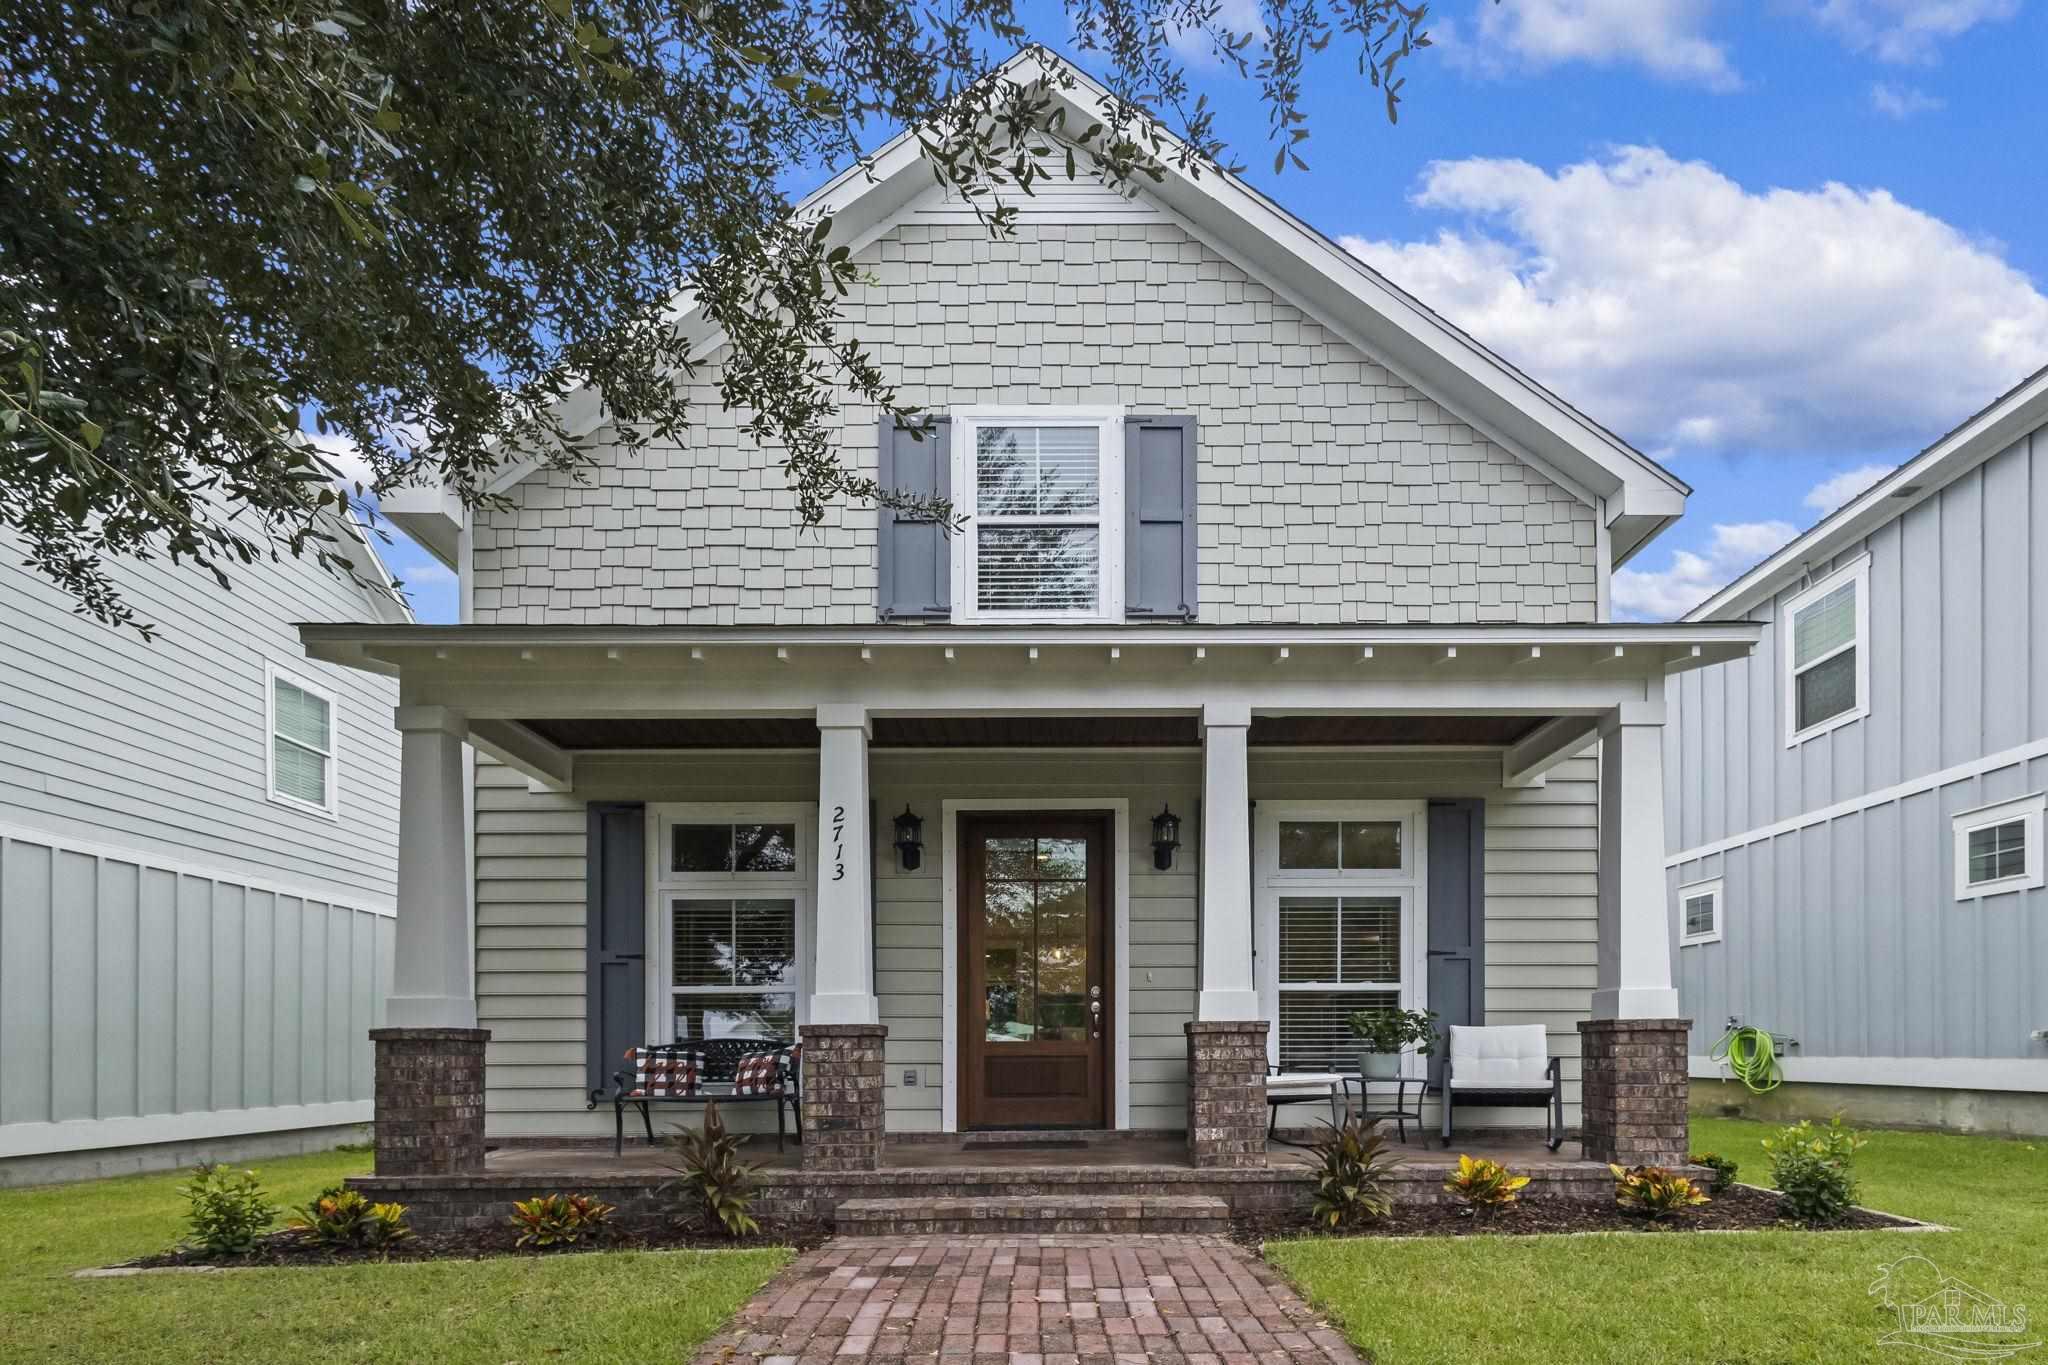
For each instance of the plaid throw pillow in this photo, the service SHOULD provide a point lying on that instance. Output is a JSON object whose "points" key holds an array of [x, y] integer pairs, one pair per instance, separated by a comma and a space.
{"points": [[660, 1073], [759, 1073]]}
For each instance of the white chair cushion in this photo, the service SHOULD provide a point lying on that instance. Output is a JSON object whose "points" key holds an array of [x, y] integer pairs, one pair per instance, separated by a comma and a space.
{"points": [[1304, 1084], [1499, 1057]]}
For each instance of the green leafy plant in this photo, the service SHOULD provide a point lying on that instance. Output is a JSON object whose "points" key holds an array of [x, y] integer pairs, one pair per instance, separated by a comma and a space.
{"points": [[560, 1219], [1724, 1170], [1655, 1191], [342, 1218], [226, 1210], [1395, 1029], [718, 1188], [1353, 1162], [1484, 1185], [1814, 1168]]}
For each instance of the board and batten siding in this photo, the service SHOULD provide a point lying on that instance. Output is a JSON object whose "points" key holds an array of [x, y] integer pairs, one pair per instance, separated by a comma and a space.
{"points": [[1843, 929], [1540, 873]]}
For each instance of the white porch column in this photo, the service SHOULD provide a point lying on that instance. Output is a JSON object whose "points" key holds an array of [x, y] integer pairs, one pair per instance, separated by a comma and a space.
{"points": [[430, 976], [1634, 980], [1228, 990], [843, 980]]}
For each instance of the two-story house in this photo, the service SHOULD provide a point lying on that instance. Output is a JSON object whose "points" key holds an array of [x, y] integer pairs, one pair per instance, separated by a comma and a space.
{"points": [[1855, 857], [1259, 686]]}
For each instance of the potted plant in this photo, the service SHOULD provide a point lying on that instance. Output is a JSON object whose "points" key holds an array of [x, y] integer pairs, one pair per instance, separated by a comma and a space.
{"points": [[1383, 1035]]}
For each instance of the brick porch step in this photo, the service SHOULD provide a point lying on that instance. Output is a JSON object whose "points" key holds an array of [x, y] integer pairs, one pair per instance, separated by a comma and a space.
{"points": [[1040, 1213]]}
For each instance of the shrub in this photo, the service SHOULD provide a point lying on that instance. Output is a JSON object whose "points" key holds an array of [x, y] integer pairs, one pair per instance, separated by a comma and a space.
{"points": [[1723, 1168], [1814, 1168], [1351, 1178], [1485, 1185], [225, 1210], [1655, 1191], [560, 1219], [340, 1217], [718, 1188]]}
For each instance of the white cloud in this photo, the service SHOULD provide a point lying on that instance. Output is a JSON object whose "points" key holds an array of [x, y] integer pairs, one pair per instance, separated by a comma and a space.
{"points": [[426, 572], [1693, 314], [343, 454], [1667, 38], [1825, 496], [1907, 31], [1693, 578], [1235, 17], [1902, 101]]}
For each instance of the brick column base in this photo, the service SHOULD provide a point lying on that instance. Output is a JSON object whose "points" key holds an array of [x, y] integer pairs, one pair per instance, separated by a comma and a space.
{"points": [[1227, 1092], [428, 1101], [842, 1092], [1633, 1090]]}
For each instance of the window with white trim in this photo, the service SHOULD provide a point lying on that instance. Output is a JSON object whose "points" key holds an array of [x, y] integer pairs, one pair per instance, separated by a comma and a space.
{"points": [[299, 763], [1042, 494], [1339, 927], [1825, 642], [1998, 848], [732, 896], [1699, 913]]}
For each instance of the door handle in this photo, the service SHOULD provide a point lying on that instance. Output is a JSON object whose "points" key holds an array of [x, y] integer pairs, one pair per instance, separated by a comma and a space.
{"points": [[1094, 1018], [1441, 952]]}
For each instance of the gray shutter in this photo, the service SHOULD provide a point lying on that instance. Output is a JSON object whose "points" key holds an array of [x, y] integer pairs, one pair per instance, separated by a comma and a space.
{"points": [[1457, 918], [916, 561], [615, 871], [1159, 518]]}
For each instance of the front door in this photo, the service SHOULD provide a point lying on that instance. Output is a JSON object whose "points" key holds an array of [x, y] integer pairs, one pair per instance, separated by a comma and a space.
{"points": [[1035, 1008]]}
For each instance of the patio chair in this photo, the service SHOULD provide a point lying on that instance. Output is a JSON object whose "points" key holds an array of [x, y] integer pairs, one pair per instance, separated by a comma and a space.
{"points": [[1504, 1065], [1298, 1087]]}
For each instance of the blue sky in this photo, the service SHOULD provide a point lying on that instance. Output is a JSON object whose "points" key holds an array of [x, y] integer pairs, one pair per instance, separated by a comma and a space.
{"points": [[1773, 243]]}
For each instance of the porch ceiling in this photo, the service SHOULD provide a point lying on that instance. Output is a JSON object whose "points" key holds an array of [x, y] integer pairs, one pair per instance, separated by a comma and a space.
{"points": [[1025, 732]]}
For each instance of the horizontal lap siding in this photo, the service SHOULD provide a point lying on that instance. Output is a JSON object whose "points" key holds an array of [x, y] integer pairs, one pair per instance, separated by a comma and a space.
{"points": [[129, 989]]}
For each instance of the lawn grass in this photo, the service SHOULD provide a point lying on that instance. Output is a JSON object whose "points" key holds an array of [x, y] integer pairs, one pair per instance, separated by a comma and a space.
{"points": [[1726, 1299], [622, 1306]]}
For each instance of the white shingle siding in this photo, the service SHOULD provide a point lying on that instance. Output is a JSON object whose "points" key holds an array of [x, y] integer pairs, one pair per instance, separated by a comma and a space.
{"points": [[1316, 464]]}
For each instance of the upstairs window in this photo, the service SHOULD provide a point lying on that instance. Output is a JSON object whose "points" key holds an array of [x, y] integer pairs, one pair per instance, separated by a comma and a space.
{"points": [[1826, 648], [1998, 848], [1043, 501], [300, 759]]}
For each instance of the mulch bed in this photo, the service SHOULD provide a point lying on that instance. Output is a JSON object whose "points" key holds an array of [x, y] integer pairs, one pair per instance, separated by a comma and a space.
{"points": [[1738, 1207], [291, 1247]]}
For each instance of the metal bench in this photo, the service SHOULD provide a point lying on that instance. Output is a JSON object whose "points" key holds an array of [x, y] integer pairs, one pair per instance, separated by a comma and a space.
{"points": [[696, 1072]]}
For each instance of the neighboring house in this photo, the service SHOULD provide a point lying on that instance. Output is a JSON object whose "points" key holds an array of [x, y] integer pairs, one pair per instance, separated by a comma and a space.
{"points": [[1252, 537], [198, 843], [1856, 809]]}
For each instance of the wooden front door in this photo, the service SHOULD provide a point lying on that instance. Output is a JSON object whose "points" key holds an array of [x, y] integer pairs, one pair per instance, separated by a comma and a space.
{"points": [[1035, 1008]]}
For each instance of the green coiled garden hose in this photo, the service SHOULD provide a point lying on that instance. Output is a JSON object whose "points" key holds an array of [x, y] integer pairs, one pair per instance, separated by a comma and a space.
{"points": [[1752, 1055]]}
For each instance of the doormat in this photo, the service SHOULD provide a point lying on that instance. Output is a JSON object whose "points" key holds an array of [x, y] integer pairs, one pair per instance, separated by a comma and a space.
{"points": [[1022, 1145]]}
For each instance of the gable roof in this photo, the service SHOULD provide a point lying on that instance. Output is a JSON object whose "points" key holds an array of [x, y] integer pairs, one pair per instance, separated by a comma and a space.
{"points": [[1990, 430], [1356, 302]]}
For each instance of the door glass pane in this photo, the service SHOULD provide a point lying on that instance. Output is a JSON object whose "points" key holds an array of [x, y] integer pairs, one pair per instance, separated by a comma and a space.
{"points": [[1062, 858], [1062, 960], [1308, 938], [1371, 933], [1307, 845], [1007, 953], [1372, 845], [1827, 689], [1011, 859]]}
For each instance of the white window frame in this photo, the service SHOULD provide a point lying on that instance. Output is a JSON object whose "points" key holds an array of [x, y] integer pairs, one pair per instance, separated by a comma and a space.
{"points": [[1109, 422], [1692, 891], [2027, 810], [330, 806], [799, 884], [1409, 882], [1859, 571]]}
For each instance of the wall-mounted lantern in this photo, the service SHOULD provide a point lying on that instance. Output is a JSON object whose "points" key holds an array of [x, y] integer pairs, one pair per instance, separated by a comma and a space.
{"points": [[909, 840], [1165, 838]]}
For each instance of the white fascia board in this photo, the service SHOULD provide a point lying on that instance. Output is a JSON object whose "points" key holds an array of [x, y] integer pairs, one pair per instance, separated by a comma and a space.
{"points": [[1996, 428], [435, 517]]}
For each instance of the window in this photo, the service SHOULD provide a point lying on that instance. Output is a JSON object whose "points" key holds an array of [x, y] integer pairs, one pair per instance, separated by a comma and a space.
{"points": [[1699, 913], [1340, 905], [731, 923], [1043, 494], [1827, 664], [1998, 848], [299, 763]]}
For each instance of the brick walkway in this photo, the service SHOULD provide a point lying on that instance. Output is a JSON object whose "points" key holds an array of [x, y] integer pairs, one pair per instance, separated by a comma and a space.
{"points": [[1069, 1300]]}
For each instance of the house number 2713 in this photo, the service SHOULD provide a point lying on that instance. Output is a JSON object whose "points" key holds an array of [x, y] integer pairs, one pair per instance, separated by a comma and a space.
{"points": [[838, 843]]}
